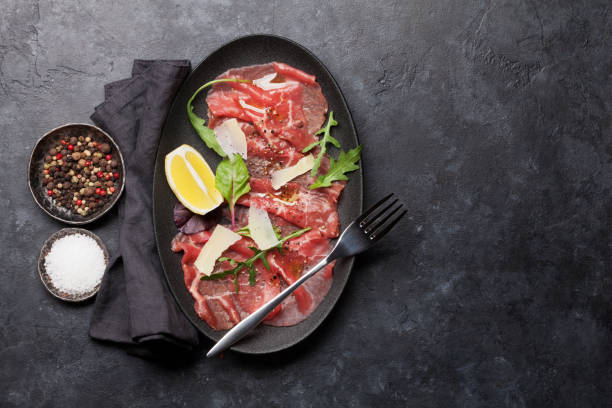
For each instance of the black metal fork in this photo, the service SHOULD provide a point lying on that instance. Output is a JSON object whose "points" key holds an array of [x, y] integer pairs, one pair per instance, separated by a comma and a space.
{"points": [[360, 235]]}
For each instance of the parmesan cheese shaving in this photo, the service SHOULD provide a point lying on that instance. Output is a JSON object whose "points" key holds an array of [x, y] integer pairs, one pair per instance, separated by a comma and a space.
{"points": [[251, 107], [283, 176], [221, 239], [266, 84], [231, 138], [261, 229]]}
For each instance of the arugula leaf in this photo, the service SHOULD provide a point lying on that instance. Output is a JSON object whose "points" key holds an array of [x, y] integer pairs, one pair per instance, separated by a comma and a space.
{"points": [[244, 231], [206, 133], [327, 138], [249, 264], [232, 181], [346, 163]]}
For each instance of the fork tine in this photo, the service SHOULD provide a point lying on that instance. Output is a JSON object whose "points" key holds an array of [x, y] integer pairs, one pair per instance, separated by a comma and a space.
{"points": [[371, 209], [381, 219], [380, 233], [366, 223]]}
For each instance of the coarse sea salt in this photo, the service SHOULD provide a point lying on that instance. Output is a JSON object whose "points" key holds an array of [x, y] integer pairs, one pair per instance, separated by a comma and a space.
{"points": [[75, 264]]}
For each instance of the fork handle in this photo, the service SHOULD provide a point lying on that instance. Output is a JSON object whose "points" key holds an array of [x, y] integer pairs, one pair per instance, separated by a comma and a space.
{"points": [[246, 325]]}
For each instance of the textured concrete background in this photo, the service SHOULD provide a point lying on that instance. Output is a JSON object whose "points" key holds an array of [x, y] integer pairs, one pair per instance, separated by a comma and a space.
{"points": [[492, 121]]}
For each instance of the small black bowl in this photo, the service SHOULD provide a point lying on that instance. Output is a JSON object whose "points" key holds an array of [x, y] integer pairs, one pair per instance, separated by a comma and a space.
{"points": [[36, 176], [46, 279]]}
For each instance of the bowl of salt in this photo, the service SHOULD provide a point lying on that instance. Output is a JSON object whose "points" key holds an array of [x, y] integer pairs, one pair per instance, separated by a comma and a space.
{"points": [[71, 264]]}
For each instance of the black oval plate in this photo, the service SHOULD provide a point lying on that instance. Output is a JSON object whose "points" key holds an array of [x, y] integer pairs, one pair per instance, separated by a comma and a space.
{"points": [[250, 50]]}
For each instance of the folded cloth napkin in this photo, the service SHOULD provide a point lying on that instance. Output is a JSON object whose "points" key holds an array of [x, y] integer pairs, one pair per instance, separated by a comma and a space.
{"points": [[134, 306]]}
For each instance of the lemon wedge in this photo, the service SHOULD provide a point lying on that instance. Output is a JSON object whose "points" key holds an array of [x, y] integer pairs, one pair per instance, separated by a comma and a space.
{"points": [[192, 180]]}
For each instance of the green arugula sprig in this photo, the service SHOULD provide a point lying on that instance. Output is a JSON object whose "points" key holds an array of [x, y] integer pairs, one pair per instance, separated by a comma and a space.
{"points": [[327, 138], [199, 124], [249, 264], [232, 181], [246, 232], [337, 169], [346, 162]]}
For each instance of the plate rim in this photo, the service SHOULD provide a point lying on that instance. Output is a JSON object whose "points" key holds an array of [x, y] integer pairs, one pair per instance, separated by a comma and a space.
{"points": [[350, 261]]}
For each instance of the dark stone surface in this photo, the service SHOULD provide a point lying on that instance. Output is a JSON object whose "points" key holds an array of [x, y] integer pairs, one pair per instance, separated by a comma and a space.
{"points": [[491, 120]]}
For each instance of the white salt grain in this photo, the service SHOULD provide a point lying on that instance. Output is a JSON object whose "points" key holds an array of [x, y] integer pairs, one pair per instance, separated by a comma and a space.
{"points": [[75, 264]]}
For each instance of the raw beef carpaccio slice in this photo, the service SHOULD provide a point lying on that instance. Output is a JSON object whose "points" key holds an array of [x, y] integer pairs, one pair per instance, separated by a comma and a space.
{"points": [[288, 115], [278, 125], [217, 302], [298, 204]]}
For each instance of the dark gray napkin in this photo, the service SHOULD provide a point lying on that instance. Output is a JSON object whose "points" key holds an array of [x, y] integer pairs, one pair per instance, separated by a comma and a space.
{"points": [[134, 306]]}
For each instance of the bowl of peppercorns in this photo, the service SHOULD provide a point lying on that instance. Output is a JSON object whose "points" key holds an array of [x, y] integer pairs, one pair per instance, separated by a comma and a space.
{"points": [[76, 173]]}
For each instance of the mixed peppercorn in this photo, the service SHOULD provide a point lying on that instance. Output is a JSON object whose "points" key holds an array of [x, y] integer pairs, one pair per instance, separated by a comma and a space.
{"points": [[81, 173]]}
